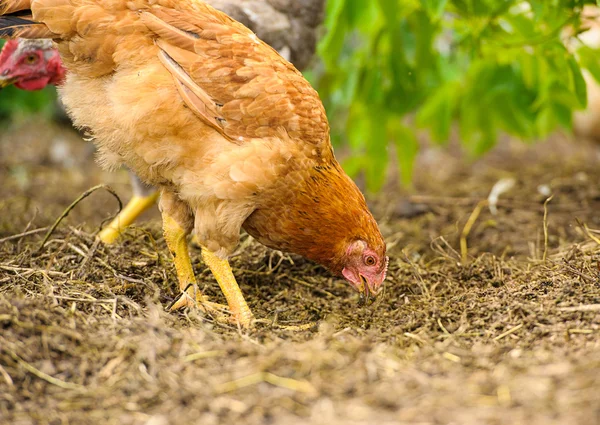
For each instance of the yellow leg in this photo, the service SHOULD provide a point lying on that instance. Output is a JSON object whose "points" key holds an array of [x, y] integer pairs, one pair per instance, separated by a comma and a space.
{"points": [[235, 299], [132, 210], [176, 238]]}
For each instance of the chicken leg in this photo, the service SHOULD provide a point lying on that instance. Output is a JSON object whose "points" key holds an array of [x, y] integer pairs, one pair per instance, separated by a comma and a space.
{"points": [[177, 226], [136, 206], [144, 197], [221, 269], [176, 239]]}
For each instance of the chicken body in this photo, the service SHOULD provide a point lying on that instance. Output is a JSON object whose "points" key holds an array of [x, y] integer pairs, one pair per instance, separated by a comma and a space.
{"points": [[230, 132], [286, 25], [221, 168]]}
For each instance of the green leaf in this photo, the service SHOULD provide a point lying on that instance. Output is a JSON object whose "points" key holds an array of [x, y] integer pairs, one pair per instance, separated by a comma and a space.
{"points": [[437, 112], [435, 8], [407, 148], [563, 115], [578, 82], [546, 122], [377, 150], [511, 119], [496, 66], [359, 128], [331, 45], [560, 93], [529, 70], [353, 165], [389, 9], [590, 60], [478, 131]]}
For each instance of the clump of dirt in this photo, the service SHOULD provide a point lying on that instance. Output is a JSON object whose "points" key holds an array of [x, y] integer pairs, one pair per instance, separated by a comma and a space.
{"points": [[484, 319]]}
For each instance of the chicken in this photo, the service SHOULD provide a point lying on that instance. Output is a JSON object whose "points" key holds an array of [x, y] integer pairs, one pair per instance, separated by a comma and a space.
{"points": [[34, 64], [230, 132]]}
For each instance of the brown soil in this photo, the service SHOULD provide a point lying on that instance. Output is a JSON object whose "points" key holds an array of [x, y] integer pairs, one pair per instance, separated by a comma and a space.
{"points": [[508, 334]]}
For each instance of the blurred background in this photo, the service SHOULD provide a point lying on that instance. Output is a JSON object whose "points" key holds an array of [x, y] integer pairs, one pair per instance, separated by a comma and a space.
{"points": [[473, 68]]}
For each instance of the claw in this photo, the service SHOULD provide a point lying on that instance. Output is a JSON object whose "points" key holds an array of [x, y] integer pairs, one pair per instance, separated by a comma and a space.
{"points": [[184, 300], [193, 298]]}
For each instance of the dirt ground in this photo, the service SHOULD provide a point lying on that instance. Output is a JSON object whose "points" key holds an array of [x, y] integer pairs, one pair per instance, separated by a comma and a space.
{"points": [[504, 332]]}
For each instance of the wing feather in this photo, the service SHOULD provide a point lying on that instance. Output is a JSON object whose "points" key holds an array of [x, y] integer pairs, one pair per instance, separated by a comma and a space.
{"points": [[233, 81], [194, 97]]}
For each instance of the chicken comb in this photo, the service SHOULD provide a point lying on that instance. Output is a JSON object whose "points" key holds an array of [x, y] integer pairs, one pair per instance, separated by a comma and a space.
{"points": [[9, 48], [34, 44]]}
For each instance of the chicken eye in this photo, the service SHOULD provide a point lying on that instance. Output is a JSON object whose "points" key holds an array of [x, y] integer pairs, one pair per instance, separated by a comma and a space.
{"points": [[370, 260], [31, 59]]}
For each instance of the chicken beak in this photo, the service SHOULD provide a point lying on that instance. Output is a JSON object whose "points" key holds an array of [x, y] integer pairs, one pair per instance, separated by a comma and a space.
{"points": [[6, 81], [364, 293]]}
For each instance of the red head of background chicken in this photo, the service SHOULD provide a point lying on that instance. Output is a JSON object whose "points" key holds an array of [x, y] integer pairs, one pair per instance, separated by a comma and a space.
{"points": [[30, 64]]}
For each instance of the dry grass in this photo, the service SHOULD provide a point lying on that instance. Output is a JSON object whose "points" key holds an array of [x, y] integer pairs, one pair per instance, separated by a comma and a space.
{"points": [[509, 336]]}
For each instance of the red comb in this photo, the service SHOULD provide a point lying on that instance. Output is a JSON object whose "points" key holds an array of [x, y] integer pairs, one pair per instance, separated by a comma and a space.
{"points": [[8, 49]]}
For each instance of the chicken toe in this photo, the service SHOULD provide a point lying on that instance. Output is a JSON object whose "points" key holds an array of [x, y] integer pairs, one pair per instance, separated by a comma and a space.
{"points": [[193, 298]]}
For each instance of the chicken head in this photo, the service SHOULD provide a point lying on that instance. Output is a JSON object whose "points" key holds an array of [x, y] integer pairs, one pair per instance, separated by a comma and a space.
{"points": [[365, 268], [30, 64]]}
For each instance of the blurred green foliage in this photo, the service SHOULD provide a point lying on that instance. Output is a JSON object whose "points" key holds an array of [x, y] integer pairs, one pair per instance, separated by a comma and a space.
{"points": [[491, 66], [18, 104]]}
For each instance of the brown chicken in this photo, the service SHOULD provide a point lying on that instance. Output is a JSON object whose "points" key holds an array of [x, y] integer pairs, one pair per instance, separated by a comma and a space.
{"points": [[287, 25], [229, 131]]}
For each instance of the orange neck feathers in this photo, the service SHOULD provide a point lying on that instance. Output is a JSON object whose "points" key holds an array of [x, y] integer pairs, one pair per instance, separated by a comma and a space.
{"points": [[324, 213]]}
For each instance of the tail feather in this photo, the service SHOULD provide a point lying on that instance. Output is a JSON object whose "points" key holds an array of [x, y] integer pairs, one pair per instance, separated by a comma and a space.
{"points": [[11, 25], [16, 21], [17, 27]]}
